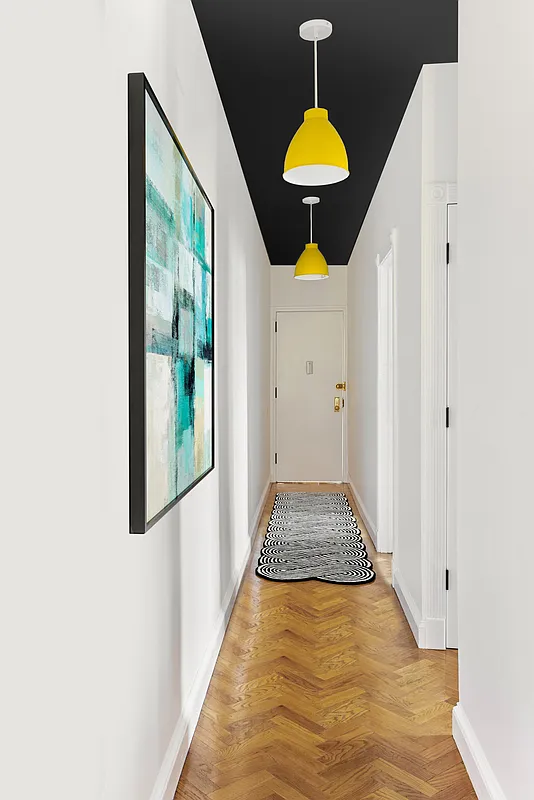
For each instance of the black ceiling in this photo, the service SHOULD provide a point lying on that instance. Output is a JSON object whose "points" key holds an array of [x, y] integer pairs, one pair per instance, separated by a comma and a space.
{"points": [[367, 71]]}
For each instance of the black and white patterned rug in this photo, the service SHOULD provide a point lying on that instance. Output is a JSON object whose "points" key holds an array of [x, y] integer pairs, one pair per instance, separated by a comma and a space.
{"points": [[314, 535]]}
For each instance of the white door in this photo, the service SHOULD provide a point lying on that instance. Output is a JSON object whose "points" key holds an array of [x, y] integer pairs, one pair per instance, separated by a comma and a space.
{"points": [[452, 593], [309, 364]]}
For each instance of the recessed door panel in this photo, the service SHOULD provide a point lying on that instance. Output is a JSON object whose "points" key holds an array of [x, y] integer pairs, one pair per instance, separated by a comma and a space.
{"points": [[309, 408]]}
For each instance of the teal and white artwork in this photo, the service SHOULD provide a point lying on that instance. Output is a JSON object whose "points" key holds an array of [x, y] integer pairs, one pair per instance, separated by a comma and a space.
{"points": [[179, 320]]}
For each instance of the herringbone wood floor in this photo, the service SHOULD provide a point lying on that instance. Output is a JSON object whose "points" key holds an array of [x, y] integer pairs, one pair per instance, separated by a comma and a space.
{"points": [[320, 692]]}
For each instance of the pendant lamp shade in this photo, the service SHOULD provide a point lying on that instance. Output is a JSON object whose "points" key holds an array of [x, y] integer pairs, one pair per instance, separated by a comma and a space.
{"points": [[316, 155], [311, 265]]}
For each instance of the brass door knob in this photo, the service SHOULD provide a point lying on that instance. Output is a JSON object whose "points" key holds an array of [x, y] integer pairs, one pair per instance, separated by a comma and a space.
{"points": [[337, 403]]}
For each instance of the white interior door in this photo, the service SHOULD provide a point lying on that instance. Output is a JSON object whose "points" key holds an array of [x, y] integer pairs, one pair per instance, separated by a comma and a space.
{"points": [[452, 593], [309, 364]]}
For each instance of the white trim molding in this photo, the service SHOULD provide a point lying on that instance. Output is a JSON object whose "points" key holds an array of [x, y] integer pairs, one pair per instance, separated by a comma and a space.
{"points": [[408, 604], [478, 768], [394, 238], [426, 632], [256, 519], [386, 401], [174, 759], [436, 198], [367, 520]]}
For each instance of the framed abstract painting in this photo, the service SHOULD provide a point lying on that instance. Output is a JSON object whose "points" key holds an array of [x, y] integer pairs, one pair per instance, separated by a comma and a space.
{"points": [[171, 226]]}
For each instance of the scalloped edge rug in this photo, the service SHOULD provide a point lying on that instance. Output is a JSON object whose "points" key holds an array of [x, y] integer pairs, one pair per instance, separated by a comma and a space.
{"points": [[314, 536]]}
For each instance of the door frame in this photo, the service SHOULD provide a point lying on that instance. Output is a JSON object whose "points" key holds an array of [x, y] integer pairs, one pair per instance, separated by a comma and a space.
{"points": [[387, 412], [452, 456], [434, 461], [274, 356]]}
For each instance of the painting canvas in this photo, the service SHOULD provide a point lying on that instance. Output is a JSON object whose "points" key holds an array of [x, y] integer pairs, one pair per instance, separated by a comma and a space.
{"points": [[173, 275]]}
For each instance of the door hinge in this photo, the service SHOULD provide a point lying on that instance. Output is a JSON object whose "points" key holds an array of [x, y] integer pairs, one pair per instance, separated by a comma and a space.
{"points": [[447, 417], [275, 326], [276, 458], [276, 392], [446, 580], [448, 252]]}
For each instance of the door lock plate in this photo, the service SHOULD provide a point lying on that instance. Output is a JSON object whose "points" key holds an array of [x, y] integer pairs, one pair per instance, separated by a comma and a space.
{"points": [[342, 386]]}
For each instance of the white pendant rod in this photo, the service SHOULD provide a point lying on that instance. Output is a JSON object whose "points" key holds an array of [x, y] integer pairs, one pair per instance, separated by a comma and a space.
{"points": [[311, 224], [315, 78]]}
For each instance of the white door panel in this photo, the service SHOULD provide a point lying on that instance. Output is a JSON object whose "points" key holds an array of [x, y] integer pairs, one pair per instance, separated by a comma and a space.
{"points": [[309, 363]]}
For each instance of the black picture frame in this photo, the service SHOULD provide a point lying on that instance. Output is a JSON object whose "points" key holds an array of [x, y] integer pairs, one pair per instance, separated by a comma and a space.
{"points": [[138, 89]]}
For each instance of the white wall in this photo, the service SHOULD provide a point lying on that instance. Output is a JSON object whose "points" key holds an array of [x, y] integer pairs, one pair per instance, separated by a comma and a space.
{"points": [[495, 425], [424, 151], [396, 203], [286, 292], [109, 637], [440, 123]]}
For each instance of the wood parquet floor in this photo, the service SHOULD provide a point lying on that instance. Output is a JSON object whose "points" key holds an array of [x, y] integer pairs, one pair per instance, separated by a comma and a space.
{"points": [[320, 693]]}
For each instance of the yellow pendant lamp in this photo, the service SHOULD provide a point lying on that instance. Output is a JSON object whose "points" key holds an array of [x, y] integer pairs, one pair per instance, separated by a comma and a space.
{"points": [[316, 155], [311, 265]]}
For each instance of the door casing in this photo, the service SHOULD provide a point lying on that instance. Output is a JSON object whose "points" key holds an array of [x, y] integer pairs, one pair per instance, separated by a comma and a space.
{"points": [[387, 413], [303, 309], [451, 633]]}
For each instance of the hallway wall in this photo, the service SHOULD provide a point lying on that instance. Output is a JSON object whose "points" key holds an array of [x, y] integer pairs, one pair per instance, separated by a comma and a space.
{"points": [[424, 151], [396, 202], [494, 422], [110, 637], [286, 292]]}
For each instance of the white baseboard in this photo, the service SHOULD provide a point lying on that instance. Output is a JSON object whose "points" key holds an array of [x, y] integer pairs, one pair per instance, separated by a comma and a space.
{"points": [[259, 511], [409, 606], [174, 759], [433, 633], [428, 633], [478, 767], [369, 524]]}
